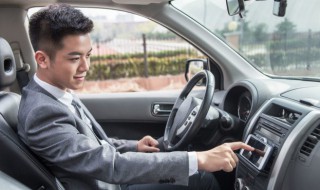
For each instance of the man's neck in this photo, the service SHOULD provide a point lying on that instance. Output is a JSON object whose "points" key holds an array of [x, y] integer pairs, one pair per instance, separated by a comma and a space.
{"points": [[43, 77]]}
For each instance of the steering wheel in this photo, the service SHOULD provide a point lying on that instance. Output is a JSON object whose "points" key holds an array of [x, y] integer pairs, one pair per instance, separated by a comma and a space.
{"points": [[188, 113]]}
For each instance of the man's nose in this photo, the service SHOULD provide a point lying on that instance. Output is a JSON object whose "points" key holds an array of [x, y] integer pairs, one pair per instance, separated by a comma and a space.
{"points": [[85, 64]]}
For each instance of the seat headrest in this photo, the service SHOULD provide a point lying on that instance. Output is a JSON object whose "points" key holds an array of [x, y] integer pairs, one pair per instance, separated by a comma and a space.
{"points": [[7, 64]]}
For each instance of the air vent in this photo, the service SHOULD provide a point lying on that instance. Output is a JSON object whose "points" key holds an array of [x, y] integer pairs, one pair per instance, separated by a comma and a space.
{"points": [[316, 132], [311, 142]]}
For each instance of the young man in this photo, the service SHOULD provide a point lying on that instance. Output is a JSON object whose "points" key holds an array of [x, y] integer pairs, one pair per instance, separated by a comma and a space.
{"points": [[60, 130]]}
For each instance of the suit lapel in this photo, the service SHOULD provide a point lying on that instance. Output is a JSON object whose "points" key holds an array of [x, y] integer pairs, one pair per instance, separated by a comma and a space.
{"points": [[95, 125], [97, 129], [85, 129], [82, 126], [34, 86]]}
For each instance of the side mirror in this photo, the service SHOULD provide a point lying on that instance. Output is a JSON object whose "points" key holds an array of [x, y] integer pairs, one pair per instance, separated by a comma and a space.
{"points": [[235, 7], [193, 66]]}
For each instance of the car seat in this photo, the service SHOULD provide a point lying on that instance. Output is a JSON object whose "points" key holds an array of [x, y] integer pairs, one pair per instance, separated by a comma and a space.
{"points": [[16, 160]]}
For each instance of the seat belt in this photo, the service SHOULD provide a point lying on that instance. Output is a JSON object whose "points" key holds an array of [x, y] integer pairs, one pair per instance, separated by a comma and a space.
{"points": [[59, 185], [22, 68]]}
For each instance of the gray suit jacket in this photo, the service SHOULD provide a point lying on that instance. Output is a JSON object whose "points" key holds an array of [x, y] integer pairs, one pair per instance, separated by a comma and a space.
{"points": [[68, 147]]}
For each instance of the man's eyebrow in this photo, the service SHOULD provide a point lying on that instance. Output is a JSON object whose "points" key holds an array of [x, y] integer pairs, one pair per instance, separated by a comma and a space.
{"points": [[78, 53]]}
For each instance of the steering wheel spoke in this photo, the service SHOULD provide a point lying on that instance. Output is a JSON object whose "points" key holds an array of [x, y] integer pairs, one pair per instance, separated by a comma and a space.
{"points": [[188, 122]]}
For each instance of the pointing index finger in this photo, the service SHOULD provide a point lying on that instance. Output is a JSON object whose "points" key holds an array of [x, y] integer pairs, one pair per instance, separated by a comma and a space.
{"points": [[239, 145]]}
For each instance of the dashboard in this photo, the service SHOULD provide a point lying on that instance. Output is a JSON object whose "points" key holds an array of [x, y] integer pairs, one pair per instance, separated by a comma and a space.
{"points": [[281, 118]]}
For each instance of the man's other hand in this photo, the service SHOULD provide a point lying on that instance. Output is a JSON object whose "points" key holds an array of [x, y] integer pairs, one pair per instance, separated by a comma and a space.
{"points": [[221, 157], [147, 144]]}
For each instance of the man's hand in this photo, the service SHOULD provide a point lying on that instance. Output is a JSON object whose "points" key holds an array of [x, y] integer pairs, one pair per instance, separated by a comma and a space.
{"points": [[147, 144], [221, 157]]}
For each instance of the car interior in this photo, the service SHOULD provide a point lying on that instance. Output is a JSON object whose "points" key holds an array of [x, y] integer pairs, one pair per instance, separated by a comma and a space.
{"points": [[230, 99]]}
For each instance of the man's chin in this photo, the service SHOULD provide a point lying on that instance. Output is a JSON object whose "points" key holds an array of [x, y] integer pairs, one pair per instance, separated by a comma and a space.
{"points": [[77, 87]]}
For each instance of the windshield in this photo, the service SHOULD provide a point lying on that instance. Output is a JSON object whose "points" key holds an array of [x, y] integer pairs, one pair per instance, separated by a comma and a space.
{"points": [[278, 46]]}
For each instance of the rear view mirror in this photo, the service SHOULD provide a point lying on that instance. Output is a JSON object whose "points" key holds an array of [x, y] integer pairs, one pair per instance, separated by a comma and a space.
{"points": [[279, 7], [193, 66], [235, 7]]}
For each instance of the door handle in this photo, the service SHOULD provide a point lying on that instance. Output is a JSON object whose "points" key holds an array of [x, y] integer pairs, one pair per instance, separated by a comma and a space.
{"points": [[161, 109]]}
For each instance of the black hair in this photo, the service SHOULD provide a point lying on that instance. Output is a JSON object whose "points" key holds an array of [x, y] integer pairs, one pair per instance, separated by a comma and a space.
{"points": [[50, 25]]}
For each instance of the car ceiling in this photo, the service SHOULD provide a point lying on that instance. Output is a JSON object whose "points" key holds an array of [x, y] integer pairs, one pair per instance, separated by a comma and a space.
{"points": [[136, 2], [32, 3]]}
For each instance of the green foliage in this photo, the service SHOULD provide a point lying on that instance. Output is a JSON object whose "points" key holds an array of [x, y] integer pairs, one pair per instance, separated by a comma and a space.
{"points": [[300, 49], [132, 65], [159, 54], [260, 33], [284, 48], [285, 27]]}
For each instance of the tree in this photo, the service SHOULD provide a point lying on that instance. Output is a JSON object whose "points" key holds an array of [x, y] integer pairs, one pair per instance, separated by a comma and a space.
{"points": [[280, 45], [285, 27], [260, 33]]}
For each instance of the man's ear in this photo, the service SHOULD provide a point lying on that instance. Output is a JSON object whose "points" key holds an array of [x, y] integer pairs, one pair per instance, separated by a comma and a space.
{"points": [[42, 59]]}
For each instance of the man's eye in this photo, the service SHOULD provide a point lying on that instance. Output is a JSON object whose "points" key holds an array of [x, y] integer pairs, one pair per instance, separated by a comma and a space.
{"points": [[88, 55], [74, 59]]}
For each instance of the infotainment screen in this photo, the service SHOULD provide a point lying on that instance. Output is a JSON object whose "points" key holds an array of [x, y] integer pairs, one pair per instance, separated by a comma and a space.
{"points": [[260, 155]]}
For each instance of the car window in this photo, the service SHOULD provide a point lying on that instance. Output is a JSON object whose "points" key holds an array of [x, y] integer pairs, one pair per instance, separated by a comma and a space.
{"points": [[287, 47], [131, 54]]}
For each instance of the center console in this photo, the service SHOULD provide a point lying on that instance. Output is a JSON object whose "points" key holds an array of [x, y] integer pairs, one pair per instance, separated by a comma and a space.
{"points": [[267, 132]]}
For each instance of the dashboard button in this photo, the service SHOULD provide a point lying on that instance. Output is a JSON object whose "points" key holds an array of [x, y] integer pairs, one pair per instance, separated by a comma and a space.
{"points": [[238, 185], [245, 188]]}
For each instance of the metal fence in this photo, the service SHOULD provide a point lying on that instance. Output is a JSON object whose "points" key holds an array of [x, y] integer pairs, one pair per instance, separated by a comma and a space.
{"points": [[133, 47], [285, 51], [119, 58]]}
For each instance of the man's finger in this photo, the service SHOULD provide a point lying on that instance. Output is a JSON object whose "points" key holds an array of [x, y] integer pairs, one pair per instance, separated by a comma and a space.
{"points": [[239, 145], [235, 157], [152, 149], [153, 142], [228, 168], [150, 141], [233, 163]]}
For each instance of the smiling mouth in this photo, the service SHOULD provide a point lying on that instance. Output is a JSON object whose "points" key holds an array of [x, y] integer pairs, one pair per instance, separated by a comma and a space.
{"points": [[79, 77]]}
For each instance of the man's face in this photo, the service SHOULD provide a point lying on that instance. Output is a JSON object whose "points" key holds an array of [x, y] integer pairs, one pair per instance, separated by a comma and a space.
{"points": [[70, 65]]}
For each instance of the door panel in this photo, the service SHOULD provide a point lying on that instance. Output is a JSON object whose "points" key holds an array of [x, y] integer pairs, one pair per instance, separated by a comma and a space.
{"points": [[130, 115]]}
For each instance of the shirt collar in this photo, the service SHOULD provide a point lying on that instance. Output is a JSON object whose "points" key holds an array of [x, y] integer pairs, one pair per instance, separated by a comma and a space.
{"points": [[65, 97]]}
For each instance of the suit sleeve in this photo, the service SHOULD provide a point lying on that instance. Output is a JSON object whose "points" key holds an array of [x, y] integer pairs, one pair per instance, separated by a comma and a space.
{"points": [[51, 133], [124, 145]]}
